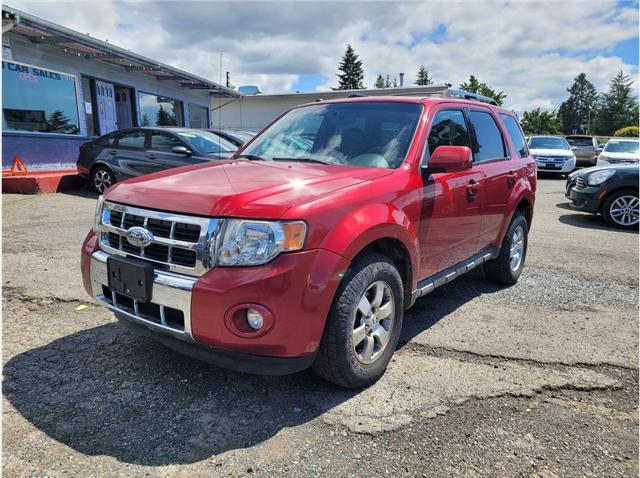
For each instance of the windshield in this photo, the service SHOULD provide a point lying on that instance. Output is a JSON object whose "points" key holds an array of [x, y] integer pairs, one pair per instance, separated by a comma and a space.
{"points": [[206, 142], [548, 143], [580, 141], [371, 134], [614, 146]]}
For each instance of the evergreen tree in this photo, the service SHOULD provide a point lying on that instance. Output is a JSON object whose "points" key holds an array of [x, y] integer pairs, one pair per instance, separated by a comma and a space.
{"points": [[387, 83], [618, 107], [145, 120], [475, 86], [379, 82], [165, 118], [423, 78], [352, 72], [57, 120], [578, 111], [540, 122]]}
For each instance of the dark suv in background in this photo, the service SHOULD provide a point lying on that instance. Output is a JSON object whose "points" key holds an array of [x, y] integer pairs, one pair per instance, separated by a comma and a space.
{"points": [[585, 148], [136, 151]]}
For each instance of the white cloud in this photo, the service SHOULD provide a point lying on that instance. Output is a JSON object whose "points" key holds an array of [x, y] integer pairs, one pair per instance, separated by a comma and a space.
{"points": [[529, 49]]}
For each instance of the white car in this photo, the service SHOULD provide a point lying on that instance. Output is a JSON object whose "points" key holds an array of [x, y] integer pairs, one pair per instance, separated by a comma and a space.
{"points": [[620, 151], [552, 154]]}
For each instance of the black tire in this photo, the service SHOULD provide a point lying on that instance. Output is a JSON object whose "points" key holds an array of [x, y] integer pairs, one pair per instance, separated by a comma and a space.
{"points": [[101, 178], [338, 360], [499, 270], [612, 200]]}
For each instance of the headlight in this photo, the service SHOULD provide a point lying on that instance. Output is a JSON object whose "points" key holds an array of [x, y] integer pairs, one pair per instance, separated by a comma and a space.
{"points": [[97, 219], [603, 157], [599, 177], [251, 243]]}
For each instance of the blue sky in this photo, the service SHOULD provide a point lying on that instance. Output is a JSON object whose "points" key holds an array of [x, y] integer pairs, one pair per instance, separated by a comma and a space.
{"points": [[529, 49]]}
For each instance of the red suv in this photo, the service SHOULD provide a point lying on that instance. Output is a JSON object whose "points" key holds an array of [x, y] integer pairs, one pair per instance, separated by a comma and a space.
{"points": [[306, 247]]}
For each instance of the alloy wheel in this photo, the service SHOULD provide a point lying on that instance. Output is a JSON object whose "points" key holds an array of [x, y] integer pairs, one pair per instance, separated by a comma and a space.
{"points": [[624, 210], [101, 180], [516, 252], [373, 321]]}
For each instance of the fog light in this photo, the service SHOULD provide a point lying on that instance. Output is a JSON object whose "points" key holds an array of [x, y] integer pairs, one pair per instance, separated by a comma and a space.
{"points": [[254, 319]]}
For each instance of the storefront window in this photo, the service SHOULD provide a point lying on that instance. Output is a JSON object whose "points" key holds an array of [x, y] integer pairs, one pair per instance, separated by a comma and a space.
{"points": [[198, 116], [35, 99], [159, 111]]}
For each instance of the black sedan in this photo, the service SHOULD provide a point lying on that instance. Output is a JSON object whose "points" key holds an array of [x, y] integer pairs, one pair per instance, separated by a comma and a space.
{"points": [[136, 151], [608, 190]]}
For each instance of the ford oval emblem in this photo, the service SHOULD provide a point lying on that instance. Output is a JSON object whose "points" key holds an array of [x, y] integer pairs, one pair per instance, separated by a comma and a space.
{"points": [[139, 236]]}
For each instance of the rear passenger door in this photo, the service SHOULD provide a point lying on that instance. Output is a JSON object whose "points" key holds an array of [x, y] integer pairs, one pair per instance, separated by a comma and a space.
{"points": [[128, 154], [493, 158]]}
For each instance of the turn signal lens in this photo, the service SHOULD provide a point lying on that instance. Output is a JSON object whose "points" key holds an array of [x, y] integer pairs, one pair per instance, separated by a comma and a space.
{"points": [[294, 233]]}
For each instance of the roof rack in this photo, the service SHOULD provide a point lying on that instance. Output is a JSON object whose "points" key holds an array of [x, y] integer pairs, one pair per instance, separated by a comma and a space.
{"points": [[469, 96]]}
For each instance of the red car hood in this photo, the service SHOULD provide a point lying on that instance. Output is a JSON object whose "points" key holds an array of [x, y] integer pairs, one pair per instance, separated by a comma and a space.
{"points": [[256, 189]]}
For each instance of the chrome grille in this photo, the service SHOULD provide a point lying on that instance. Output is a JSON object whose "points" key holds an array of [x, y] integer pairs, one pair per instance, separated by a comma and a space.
{"points": [[579, 183], [180, 243]]}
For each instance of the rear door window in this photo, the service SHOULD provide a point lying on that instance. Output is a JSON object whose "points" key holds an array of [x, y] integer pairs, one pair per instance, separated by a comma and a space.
{"points": [[132, 139], [515, 133], [448, 128], [489, 142]]}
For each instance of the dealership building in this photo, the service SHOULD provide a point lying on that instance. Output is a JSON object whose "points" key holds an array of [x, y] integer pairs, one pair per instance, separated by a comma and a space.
{"points": [[61, 88]]}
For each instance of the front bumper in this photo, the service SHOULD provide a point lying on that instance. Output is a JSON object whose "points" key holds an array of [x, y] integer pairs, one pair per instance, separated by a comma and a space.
{"points": [[297, 288], [586, 199], [556, 167]]}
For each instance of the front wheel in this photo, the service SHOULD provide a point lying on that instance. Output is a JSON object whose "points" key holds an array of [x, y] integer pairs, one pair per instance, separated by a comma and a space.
{"points": [[507, 267], [364, 324], [621, 209], [102, 179]]}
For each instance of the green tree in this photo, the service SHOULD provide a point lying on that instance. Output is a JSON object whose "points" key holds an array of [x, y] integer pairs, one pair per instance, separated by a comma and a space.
{"points": [[379, 82], [578, 111], [423, 77], [475, 86], [387, 82], [540, 122], [352, 72], [628, 132], [145, 120], [618, 107], [57, 120]]}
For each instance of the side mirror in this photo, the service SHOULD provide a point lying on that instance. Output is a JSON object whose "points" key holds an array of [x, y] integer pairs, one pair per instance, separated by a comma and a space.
{"points": [[598, 150], [181, 150], [449, 159]]}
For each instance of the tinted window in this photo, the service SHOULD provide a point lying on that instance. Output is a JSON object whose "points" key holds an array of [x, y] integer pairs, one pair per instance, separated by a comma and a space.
{"points": [[579, 141], [515, 133], [448, 129], [108, 140], [133, 139], [38, 100], [206, 142], [548, 142], [164, 142], [369, 133], [490, 144]]}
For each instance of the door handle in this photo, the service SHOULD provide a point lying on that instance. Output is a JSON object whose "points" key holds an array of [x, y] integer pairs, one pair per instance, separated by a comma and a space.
{"points": [[151, 156], [512, 177], [472, 190], [113, 152]]}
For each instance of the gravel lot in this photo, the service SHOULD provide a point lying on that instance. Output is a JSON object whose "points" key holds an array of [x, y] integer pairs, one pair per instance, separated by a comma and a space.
{"points": [[540, 379]]}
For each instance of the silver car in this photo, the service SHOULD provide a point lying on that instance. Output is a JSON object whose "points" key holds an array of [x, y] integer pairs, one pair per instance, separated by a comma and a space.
{"points": [[585, 149]]}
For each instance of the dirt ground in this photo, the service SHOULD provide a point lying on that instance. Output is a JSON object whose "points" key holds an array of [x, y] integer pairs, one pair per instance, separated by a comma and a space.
{"points": [[540, 379]]}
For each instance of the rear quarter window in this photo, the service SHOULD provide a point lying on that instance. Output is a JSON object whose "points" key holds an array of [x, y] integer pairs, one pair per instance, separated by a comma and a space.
{"points": [[515, 134]]}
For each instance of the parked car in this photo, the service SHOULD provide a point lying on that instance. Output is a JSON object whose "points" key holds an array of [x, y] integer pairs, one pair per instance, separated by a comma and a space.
{"points": [[552, 154], [585, 148], [608, 190], [308, 247], [136, 151], [236, 137], [620, 151]]}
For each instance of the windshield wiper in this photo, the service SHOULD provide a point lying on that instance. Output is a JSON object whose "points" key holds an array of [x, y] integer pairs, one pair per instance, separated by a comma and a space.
{"points": [[311, 160], [251, 157]]}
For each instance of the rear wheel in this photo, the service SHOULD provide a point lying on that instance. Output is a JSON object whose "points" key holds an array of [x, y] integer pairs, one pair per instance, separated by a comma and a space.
{"points": [[364, 324], [507, 267], [101, 179], [621, 209]]}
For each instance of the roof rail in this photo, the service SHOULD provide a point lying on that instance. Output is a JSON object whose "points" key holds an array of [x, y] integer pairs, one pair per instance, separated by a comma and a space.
{"points": [[469, 96]]}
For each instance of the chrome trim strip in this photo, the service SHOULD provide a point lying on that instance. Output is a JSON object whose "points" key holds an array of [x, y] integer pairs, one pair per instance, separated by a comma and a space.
{"points": [[169, 290]]}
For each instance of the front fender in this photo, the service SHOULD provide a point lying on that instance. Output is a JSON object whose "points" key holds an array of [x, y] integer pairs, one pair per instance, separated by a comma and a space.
{"points": [[369, 223]]}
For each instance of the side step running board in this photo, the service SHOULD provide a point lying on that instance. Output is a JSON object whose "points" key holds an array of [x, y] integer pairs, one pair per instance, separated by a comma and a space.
{"points": [[430, 283]]}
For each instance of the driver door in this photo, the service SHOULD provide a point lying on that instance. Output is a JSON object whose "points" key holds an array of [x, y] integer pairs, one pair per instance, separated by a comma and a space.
{"points": [[451, 203]]}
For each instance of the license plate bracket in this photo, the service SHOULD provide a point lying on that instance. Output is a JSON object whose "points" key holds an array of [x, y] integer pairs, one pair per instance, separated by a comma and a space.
{"points": [[130, 278]]}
